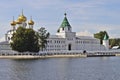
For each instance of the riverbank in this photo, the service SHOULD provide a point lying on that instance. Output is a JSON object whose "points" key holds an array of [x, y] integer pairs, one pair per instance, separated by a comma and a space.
{"points": [[40, 57], [55, 54]]}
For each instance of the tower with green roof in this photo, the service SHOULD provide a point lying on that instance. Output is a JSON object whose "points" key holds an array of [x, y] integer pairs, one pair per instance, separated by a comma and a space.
{"points": [[65, 26], [106, 41], [65, 32]]}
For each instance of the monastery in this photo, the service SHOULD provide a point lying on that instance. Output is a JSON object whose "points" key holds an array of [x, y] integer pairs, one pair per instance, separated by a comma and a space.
{"points": [[64, 39]]}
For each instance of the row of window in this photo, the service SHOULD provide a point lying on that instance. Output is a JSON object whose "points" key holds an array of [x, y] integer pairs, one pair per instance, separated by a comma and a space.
{"points": [[55, 41], [55, 46], [70, 39], [54, 49], [82, 42], [86, 42], [64, 29]]}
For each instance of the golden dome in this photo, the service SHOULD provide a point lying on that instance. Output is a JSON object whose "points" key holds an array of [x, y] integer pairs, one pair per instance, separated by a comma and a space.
{"points": [[22, 18], [18, 21], [13, 23], [31, 22]]}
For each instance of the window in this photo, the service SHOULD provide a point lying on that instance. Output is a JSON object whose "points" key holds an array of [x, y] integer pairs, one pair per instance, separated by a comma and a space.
{"points": [[63, 29], [8, 38]]}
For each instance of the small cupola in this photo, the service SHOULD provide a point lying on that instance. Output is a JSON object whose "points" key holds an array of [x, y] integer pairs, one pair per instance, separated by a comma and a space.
{"points": [[31, 23]]}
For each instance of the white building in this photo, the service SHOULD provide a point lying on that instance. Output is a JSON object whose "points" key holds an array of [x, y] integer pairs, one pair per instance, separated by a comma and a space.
{"points": [[64, 39]]}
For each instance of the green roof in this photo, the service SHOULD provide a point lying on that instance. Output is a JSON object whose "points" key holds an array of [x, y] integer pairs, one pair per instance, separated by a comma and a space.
{"points": [[65, 22], [105, 37]]}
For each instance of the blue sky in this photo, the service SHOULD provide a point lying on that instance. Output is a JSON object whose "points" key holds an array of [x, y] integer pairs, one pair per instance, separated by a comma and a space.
{"points": [[85, 16]]}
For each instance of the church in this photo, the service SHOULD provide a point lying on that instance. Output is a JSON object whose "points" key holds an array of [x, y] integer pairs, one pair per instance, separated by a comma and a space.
{"points": [[64, 39]]}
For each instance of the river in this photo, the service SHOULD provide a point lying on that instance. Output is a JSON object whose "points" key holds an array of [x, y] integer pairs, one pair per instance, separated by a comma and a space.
{"points": [[92, 68]]}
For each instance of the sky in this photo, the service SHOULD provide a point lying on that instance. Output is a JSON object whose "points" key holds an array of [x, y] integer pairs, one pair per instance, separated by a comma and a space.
{"points": [[85, 16]]}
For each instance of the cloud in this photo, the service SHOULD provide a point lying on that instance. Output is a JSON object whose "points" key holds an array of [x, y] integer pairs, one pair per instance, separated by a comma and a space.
{"points": [[84, 33], [87, 15], [113, 30]]}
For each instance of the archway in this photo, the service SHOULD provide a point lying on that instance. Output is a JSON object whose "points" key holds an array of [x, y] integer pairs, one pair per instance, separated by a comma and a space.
{"points": [[69, 47]]}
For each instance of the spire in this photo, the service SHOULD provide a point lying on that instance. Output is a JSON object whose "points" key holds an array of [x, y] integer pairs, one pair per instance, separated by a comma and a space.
{"points": [[22, 11], [65, 22], [13, 18], [13, 23], [105, 37], [30, 17]]}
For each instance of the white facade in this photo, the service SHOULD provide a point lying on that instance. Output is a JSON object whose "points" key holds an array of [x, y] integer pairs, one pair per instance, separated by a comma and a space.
{"points": [[65, 39], [58, 43]]}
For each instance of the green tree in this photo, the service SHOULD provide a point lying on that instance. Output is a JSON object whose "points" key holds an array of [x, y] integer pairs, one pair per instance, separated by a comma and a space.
{"points": [[100, 35], [114, 42], [25, 40], [42, 37]]}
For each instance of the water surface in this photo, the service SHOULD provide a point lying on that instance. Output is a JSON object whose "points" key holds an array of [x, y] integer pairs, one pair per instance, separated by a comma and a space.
{"points": [[93, 68]]}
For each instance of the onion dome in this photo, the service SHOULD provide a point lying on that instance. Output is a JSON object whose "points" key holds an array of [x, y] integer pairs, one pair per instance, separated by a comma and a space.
{"points": [[18, 21], [22, 18], [13, 23], [31, 22]]}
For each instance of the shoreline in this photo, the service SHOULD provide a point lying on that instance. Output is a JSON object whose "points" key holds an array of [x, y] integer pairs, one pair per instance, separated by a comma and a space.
{"points": [[53, 56], [41, 57]]}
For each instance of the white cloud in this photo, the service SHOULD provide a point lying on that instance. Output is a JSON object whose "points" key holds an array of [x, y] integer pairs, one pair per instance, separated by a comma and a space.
{"points": [[86, 16], [84, 33], [90, 29]]}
